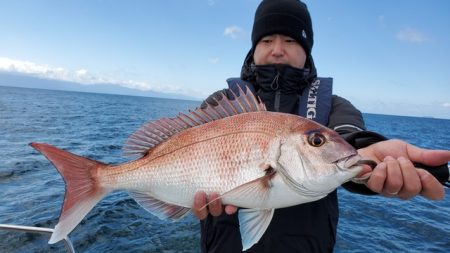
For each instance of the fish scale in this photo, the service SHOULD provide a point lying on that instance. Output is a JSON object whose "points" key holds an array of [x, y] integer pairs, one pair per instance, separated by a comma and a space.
{"points": [[206, 165]]}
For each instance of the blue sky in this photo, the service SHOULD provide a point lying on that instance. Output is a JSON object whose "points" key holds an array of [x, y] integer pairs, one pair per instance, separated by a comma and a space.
{"points": [[390, 57]]}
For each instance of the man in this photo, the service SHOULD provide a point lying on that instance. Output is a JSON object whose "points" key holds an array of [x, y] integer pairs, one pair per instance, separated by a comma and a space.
{"points": [[280, 70]]}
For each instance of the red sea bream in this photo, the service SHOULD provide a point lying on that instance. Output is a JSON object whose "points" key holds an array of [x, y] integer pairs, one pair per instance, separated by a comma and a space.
{"points": [[255, 159]]}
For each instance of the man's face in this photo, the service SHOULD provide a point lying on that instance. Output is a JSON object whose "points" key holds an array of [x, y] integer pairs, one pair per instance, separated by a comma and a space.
{"points": [[279, 49]]}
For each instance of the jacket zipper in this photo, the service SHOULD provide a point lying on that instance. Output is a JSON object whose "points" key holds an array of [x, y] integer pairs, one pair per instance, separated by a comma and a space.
{"points": [[275, 86]]}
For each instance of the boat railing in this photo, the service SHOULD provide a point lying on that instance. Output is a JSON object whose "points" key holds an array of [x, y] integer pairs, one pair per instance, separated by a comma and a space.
{"points": [[38, 230]]}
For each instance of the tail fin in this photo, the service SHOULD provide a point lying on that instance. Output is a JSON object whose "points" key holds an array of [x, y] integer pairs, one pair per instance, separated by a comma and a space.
{"points": [[83, 191]]}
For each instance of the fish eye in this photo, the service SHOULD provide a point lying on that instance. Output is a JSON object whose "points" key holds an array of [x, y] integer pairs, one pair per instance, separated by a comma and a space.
{"points": [[316, 139]]}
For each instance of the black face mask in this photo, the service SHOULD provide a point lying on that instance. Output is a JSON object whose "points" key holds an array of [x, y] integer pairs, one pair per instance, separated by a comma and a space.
{"points": [[282, 77], [248, 69], [279, 86]]}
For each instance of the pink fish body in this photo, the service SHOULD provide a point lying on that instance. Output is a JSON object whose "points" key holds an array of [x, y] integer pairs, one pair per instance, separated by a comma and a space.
{"points": [[253, 158]]}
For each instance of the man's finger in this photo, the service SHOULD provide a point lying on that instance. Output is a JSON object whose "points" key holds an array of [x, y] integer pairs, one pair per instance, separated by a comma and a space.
{"points": [[431, 188], [199, 209], [377, 178], [230, 209], [394, 179], [427, 157], [411, 182], [215, 206]]}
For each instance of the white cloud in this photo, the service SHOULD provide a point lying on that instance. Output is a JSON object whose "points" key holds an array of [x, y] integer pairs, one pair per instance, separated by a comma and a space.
{"points": [[81, 76], [81, 72], [381, 21], [446, 105], [411, 35], [26, 67], [213, 60], [211, 2], [234, 32]]}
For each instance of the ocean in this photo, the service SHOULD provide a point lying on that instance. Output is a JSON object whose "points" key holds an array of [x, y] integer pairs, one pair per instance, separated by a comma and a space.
{"points": [[97, 125]]}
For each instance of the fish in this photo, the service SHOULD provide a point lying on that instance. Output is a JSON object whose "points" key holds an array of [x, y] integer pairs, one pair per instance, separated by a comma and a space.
{"points": [[253, 158]]}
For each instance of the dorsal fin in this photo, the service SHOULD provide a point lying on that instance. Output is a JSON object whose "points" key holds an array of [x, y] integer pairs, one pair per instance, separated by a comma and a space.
{"points": [[157, 131]]}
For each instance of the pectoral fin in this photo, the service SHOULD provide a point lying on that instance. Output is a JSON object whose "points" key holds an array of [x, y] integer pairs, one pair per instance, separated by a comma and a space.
{"points": [[253, 193], [253, 223]]}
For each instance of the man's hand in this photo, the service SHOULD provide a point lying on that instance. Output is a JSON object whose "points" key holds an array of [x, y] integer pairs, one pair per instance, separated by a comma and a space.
{"points": [[395, 174], [214, 208]]}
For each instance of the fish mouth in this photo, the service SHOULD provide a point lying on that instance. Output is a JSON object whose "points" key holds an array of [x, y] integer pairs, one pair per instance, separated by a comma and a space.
{"points": [[372, 164], [354, 163]]}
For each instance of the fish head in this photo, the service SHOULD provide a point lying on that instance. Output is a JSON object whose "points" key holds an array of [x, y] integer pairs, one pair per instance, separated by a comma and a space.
{"points": [[315, 160]]}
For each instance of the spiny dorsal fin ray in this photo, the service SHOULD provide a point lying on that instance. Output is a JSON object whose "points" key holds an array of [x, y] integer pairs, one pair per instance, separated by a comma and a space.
{"points": [[157, 131]]}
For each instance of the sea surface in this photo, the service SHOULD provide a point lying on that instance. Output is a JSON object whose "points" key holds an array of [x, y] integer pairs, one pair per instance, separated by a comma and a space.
{"points": [[97, 125]]}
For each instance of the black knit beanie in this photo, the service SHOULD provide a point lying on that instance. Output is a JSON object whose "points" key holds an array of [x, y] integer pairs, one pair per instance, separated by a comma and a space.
{"points": [[287, 17]]}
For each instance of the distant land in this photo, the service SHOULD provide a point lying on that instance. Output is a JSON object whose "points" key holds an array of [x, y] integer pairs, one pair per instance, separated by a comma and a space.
{"points": [[27, 81], [14, 79]]}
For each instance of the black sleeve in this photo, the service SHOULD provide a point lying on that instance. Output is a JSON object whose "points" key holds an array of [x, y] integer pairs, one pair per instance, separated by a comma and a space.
{"points": [[344, 117], [349, 123]]}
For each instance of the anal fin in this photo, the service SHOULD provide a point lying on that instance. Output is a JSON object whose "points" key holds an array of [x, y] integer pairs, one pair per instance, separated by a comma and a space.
{"points": [[159, 208]]}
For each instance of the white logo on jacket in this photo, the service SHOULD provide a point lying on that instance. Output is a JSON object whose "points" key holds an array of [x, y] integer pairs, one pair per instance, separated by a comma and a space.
{"points": [[312, 100]]}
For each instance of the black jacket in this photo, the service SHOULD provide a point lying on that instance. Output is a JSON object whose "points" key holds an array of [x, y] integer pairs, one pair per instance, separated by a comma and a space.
{"points": [[309, 227]]}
